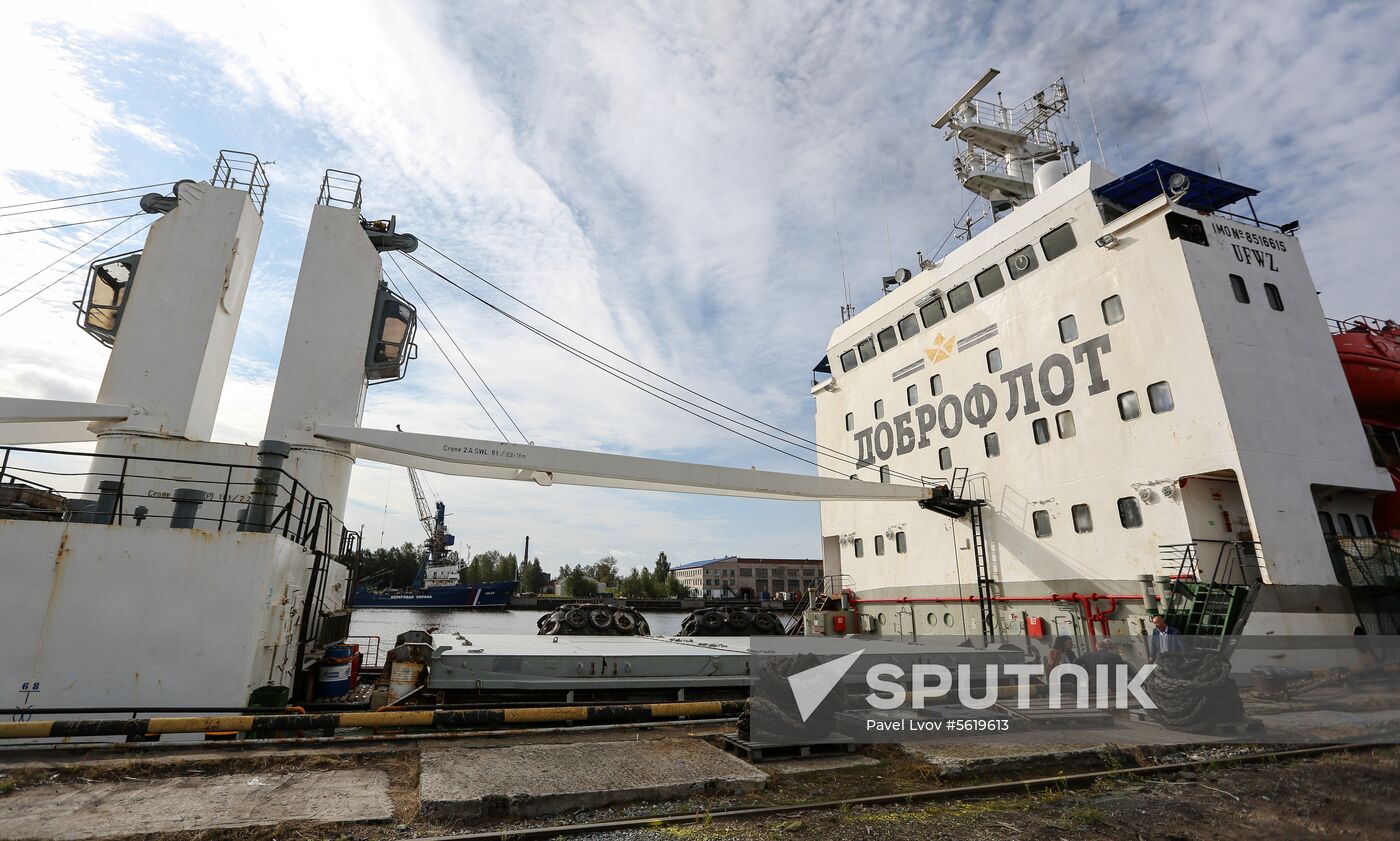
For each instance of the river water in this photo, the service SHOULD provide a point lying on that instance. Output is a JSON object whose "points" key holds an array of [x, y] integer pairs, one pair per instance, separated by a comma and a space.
{"points": [[387, 623]]}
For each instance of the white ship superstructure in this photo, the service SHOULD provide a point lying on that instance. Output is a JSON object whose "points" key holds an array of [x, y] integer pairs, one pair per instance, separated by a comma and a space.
{"points": [[1116, 385]]}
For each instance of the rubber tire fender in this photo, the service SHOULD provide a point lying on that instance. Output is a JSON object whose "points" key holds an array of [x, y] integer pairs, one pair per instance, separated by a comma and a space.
{"points": [[711, 623], [739, 621], [765, 623], [575, 619], [600, 619], [624, 622]]}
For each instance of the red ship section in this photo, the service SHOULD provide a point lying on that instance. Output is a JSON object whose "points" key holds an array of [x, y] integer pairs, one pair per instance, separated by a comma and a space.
{"points": [[1369, 349]]}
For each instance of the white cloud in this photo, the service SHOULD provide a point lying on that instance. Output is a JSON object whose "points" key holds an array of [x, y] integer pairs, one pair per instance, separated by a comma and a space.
{"points": [[661, 178]]}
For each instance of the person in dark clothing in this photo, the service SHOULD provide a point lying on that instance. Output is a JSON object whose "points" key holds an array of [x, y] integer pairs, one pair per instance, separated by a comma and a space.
{"points": [[1165, 639], [1061, 653], [1105, 655]]}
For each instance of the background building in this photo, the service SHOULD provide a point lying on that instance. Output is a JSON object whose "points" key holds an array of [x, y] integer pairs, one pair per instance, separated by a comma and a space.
{"points": [[735, 577]]}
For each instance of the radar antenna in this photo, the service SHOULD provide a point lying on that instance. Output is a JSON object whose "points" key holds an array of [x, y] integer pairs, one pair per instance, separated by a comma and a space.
{"points": [[1007, 155]]}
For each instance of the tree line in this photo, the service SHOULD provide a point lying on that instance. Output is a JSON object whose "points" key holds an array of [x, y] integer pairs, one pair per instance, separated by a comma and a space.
{"points": [[396, 566]]}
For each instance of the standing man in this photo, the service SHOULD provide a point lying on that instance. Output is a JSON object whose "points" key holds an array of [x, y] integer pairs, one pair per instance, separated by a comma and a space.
{"points": [[1165, 639]]}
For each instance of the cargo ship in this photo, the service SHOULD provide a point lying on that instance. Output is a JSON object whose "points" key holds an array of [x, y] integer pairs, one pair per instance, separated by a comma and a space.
{"points": [[1124, 393]]}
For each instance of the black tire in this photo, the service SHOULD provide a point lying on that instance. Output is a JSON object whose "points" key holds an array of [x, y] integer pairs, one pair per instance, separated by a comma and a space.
{"points": [[575, 619], [765, 623], [711, 623], [549, 628], [624, 622], [643, 629], [600, 620], [738, 622]]}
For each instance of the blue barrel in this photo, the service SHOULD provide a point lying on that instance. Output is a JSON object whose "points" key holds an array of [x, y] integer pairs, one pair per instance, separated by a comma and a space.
{"points": [[333, 677]]}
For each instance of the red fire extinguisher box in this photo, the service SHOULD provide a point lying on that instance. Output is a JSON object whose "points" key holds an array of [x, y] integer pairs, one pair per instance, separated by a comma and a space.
{"points": [[1036, 626]]}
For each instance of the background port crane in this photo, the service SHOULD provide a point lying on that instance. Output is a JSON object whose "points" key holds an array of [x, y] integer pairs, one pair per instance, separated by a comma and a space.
{"points": [[434, 523]]}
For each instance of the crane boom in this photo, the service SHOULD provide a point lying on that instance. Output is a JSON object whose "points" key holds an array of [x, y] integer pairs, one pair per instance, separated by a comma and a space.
{"points": [[425, 514]]}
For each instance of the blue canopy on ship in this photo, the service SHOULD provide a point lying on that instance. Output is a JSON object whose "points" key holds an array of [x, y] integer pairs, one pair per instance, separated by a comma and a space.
{"points": [[1204, 192]]}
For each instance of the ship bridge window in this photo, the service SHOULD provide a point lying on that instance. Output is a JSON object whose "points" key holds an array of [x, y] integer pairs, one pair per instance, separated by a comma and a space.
{"points": [[1325, 520], [1344, 525], [932, 312], [911, 394], [945, 458], [960, 297], [1058, 242], [1129, 513], [1128, 406], [1069, 329], [994, 360], [989, 280], [850, 421], [887, 338], [1083, 520], [1159, 397], [1184, 227], [1041, 520], [935, 385], [1275, 300], [884, 474], [901, 543], [848, 360], [867, 350], [1022, 262], [908, 326], [859, 546], [1040, 428], [879, 544], [1241, 291], [1064, 424], [1364, 527], [879, 409], [991, 444], [1112, 309]]}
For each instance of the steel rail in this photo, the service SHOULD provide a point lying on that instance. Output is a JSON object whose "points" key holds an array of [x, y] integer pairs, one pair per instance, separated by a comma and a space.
{"points": [[1020, 786]]}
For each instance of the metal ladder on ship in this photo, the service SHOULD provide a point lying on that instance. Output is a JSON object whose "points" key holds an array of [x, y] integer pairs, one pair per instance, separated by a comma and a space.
{"points": [[1211, 602], [951, 500]]}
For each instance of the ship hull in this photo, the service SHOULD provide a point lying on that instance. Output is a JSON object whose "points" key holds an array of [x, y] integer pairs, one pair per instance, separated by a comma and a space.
{"points": [[466, 596]]}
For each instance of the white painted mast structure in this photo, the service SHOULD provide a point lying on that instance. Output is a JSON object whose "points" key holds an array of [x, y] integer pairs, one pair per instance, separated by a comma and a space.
{"points": [[188, 572]]}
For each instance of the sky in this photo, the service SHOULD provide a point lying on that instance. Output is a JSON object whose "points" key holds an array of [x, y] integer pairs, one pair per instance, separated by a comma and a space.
{"points": [[668, 179]]}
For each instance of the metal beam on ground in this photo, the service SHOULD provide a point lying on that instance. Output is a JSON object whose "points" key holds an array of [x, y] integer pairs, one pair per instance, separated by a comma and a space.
{"points": [[550, 465]]}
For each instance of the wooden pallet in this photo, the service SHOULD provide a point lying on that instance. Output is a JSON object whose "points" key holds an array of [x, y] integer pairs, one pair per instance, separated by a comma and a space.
{"points": [[769, 752]]}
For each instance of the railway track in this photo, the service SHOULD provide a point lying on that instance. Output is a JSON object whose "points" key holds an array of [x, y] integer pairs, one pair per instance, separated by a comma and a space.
{"points": [[1019, 786]]}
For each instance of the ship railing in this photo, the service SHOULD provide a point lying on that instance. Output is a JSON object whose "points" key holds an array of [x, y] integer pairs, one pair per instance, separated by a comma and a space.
{"points": [[1026, 119], [372, 650], [157, 492], [1362, 324], [341, 189], [242, 171]]}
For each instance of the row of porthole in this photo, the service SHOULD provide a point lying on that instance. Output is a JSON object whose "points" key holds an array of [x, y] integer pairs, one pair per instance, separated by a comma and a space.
{"points": [[1056, 243], [932, 619], [901, 544], [1129, 517], [1113, 313]]}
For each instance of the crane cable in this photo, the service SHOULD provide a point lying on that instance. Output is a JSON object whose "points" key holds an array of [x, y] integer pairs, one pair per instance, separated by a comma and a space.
{"points": [[75, 268], [87, 195], [450, 364], [62, 225], [70, 253], [645, 387], [796, 440], [453, 340]]}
